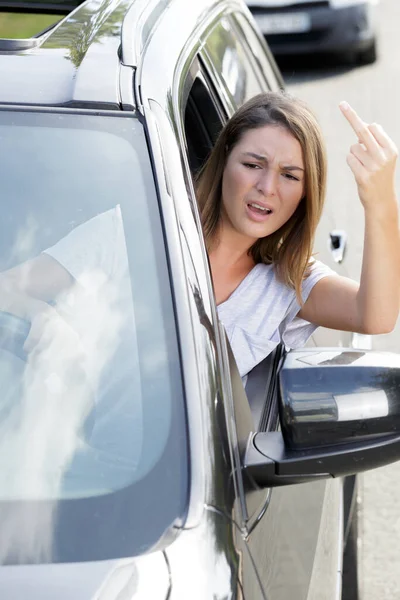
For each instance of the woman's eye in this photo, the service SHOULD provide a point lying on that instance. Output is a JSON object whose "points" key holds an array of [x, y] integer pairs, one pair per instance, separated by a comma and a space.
{"points": [[291, 177], [251, 166]]}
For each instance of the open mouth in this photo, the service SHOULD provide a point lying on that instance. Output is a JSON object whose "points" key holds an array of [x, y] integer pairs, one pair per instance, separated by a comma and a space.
{"points": [[259, 209]]}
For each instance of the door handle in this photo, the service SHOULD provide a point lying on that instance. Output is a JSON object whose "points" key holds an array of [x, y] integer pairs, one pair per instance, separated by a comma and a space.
{"points": [[337, 244]]}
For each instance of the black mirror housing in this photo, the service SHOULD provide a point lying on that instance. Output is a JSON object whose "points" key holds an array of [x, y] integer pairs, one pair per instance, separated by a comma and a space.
{"points": [[335, 396], [339, 413]]}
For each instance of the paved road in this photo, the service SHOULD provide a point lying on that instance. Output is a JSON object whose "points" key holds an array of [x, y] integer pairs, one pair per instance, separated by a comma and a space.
{"points": [[375, 93]]}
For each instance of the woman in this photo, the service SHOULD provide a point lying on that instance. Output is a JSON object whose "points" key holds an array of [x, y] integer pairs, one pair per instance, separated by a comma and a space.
{"points": [[261, 195]]}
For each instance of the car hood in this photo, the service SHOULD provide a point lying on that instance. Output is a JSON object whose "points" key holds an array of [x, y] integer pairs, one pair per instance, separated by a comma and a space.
{"points": [[126, 579]]}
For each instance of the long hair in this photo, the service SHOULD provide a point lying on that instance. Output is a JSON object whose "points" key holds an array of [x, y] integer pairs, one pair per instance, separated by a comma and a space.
{"points": [[289, 248]]}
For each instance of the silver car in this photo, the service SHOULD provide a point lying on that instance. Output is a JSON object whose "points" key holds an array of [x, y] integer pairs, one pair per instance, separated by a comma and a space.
{"points": [[134, 463]]}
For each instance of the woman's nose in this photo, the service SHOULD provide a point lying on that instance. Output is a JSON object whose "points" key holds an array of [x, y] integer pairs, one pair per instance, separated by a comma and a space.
{"points": [[267, 183]]}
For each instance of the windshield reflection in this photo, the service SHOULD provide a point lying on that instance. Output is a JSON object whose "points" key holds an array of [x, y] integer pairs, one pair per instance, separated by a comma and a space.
{"points": [[87, 340]]}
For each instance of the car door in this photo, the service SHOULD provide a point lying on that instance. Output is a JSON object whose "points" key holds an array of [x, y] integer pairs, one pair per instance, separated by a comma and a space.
{"points": [[293, 534]]}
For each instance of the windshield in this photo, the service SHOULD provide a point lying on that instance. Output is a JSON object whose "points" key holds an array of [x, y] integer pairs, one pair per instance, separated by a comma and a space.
{"points": [[92, 431]]}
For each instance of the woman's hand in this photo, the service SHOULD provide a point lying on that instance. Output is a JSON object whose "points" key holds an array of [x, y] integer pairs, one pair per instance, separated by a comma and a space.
{"points": [[373, 162], [373, 306]]}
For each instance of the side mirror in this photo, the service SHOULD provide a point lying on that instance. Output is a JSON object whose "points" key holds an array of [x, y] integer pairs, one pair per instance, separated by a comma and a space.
{"points": [[339, 415]]}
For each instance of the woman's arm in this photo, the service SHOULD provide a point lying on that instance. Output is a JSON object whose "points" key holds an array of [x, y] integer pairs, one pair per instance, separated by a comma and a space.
{"points": [[42, 277], [373, 305], [25, 292]]}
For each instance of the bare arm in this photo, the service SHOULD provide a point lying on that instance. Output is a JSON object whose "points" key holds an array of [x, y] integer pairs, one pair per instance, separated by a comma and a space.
{"points": [[26, 289], [373, 305], [41, 277]]}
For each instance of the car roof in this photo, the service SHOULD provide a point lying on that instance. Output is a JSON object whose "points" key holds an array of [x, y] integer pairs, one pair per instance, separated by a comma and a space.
{"points": [[77, 62]]}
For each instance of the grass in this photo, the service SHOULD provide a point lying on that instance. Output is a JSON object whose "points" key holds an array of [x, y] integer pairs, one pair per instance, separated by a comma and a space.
{"points": [[20, 25]]}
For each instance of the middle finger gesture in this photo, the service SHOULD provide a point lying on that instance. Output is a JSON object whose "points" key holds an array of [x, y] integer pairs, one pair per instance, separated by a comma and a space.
{"points": [[372, 160]]}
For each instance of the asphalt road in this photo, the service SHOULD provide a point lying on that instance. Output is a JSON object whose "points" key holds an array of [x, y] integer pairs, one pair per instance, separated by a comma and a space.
{"points": [[374, 91]]}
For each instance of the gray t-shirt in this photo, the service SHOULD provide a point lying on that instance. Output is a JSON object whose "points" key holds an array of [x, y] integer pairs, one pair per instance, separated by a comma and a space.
{"points": [[261, 313]]}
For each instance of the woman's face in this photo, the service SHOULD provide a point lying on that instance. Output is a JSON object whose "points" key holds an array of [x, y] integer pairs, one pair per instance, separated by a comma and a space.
{"points": [[263, 182]]}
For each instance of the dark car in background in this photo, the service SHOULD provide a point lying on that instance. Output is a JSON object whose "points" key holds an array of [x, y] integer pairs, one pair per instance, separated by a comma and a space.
{"points": [[345, 27], [134, 462]]}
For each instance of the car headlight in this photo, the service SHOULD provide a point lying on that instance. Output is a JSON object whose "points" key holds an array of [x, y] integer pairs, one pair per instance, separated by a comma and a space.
{"points": [[344, 3]]}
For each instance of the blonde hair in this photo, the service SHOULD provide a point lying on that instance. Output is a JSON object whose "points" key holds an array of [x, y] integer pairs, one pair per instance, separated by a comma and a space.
{"points": [[290, 247]]}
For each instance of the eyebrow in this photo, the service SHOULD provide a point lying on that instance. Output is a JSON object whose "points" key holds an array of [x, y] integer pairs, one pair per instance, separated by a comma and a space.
{"points": [[265, 159]]}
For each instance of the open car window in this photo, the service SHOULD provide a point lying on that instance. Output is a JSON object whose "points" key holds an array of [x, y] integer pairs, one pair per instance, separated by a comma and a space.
{"points": [[259, 389]]}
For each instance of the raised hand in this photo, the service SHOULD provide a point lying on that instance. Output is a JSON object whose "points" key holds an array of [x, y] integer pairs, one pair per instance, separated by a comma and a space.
{"points": [[373, 161]]}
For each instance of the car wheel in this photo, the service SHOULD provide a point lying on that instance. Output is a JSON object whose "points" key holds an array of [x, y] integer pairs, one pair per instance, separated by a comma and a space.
{"points": [[351, 586], [367, 56]]}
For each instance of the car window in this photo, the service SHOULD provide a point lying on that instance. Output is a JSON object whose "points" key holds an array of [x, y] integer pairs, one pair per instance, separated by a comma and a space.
{"points": [[250, 405], [203, 119], [231, 62], [101, 389]]}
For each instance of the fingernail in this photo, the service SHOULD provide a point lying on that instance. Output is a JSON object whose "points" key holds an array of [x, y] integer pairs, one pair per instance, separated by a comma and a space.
{"points": [[344, 105]]}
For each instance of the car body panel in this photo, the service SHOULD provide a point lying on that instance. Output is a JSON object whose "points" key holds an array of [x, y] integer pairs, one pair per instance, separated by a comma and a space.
{"points": [[100, 580], [71, 65], [302, 558]]}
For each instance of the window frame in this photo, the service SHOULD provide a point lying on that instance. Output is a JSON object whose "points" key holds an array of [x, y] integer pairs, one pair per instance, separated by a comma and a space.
{"points": [[239, 406], [258, 51], [249, 65], [227, 370]]}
